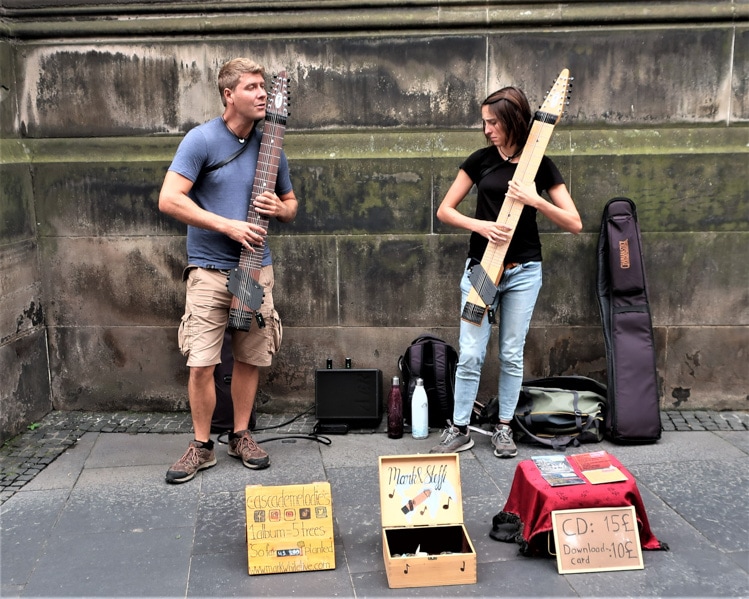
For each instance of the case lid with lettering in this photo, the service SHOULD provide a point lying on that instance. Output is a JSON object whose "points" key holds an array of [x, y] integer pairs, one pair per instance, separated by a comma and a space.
{"points": [[420, 490]]}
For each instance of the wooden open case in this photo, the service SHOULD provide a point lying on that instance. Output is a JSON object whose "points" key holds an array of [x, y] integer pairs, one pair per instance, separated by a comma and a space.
{"points": [[424, 541]]}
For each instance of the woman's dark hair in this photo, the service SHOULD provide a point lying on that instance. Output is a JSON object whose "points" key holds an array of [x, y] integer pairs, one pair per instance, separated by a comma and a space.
{"points": [[510, 107]]}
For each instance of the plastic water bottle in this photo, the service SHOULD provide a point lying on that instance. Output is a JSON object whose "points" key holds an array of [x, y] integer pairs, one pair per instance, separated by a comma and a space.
{"points": [[419, 411], [395, 410]]}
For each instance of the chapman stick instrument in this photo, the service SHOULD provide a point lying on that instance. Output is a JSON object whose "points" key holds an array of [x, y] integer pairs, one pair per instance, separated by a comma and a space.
{"points": [[243, 280], [485, 276]]}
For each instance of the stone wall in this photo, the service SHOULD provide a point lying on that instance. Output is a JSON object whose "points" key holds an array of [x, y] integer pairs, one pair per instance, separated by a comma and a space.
{"points": [[95, 97]]}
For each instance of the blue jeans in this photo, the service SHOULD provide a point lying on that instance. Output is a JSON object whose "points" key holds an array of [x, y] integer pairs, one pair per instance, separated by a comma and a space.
{"points": [[518, 290]]}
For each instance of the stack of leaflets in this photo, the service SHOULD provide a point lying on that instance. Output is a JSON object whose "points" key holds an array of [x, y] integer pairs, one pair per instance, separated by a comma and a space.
{"points": [[597, 467], [557, 471]]}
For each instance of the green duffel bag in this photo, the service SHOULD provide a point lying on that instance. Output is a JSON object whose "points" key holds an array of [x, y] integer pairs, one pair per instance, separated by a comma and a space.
{"points": [[561, 411]]}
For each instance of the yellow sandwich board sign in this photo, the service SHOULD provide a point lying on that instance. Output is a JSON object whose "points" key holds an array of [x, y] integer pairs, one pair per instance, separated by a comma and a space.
{"points": [[289, 528]]}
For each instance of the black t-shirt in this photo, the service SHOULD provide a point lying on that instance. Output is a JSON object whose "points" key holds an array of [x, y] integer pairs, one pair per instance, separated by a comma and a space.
{"points": [[526, 244]]}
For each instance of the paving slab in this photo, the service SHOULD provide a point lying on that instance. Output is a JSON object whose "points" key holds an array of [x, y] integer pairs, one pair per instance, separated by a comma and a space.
{"points": [[63, 473], [142, 563], [26, 521], [698, 492]]}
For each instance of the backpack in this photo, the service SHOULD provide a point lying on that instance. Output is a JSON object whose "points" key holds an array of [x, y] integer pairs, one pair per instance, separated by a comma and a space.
{"points": [[432, 359]]}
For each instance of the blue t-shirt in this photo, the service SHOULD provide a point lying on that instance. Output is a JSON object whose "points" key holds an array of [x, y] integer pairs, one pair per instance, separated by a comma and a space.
{"points": [[226, 191]]}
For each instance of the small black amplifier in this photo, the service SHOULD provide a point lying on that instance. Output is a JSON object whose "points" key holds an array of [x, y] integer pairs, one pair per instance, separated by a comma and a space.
{"points": [[351, 396]]}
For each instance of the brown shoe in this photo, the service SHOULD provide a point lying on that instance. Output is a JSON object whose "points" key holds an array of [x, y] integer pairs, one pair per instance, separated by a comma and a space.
{"points": [[243, 446], [195, 458]]}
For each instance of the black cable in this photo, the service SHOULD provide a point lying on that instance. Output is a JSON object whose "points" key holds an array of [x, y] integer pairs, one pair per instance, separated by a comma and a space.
{"points": [[312, 436], [294, 419]]}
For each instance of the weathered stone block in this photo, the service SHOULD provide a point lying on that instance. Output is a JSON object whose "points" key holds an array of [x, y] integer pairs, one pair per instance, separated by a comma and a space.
{"points": [[101, 199], [386, 81], [113, 281], [623, 84], [25, 393], [698, 279], [399, 281], [110, 368], [740, 79], [706, 368], [290, 381], [687, 190], [17, 209], [568, 295], [363, 196], [21, 299], [306, 272], [8, 99]]}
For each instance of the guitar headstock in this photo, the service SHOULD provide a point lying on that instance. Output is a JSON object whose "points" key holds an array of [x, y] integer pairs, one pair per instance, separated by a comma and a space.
{"points": [[278, 97], [557, 98]]}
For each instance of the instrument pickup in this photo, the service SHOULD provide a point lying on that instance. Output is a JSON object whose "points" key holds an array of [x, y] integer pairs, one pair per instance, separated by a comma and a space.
{"points": [[246, 288]]}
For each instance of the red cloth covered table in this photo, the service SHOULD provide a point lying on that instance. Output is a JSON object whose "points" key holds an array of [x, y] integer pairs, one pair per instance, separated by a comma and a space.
{"points": [[532, 500]]}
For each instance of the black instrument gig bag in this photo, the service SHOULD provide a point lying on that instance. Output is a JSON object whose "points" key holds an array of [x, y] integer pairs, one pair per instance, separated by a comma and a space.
{"points": [[223, 414], [634, 409]]}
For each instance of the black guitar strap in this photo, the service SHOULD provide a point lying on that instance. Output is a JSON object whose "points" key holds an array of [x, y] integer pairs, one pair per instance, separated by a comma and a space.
{"points": [[489, 169], [224, 162]]}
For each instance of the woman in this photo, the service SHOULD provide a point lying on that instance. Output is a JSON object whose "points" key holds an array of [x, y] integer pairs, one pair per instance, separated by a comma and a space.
{"points": [[506, 117]]}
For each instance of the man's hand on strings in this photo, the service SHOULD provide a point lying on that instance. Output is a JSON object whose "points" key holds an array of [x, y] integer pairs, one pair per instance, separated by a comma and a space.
{"points": [[246, 233], [268, 204]]}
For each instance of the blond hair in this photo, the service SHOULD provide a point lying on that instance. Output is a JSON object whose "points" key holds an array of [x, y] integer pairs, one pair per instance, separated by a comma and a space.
{"points": [[232, 71]]}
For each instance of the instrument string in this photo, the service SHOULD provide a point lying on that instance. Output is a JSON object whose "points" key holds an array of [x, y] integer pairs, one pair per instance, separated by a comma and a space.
{"points": [[250, 260], [509, 213]]}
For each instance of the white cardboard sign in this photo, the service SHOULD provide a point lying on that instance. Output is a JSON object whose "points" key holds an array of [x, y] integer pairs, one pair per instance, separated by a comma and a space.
{"points": [[596, 540]]}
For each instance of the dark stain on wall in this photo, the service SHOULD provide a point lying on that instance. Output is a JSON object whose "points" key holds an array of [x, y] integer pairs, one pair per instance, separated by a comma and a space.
{"points": [[118, 355], [681, 395], [128, 95], [34, 314]]}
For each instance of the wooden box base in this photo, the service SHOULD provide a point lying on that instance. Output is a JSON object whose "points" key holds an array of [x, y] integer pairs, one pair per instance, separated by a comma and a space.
{"points": [[448, 556]]}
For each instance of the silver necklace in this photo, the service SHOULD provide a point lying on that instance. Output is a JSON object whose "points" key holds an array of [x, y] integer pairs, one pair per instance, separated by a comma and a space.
{"points": [[508, 158]]}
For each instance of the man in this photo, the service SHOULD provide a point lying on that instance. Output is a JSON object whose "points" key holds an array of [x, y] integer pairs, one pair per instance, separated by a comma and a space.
{"points": [[211, 195]]}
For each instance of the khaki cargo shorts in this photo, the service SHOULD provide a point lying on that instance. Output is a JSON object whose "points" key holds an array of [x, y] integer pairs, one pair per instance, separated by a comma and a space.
{"points": [[207, 302]]}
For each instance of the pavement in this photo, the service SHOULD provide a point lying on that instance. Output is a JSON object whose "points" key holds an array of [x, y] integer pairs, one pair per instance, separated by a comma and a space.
{"points": [[86, 512]]}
